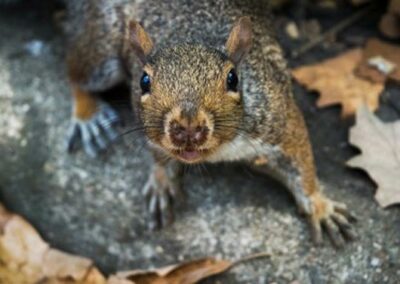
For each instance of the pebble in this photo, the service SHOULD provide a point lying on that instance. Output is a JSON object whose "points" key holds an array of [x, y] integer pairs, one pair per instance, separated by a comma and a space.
{"points": [[159, 250], [375, 262], [292, 30], [35, 47]]}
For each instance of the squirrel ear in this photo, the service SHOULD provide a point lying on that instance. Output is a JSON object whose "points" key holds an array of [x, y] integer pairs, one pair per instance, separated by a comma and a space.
{"points": [[140, 41], [239, 40]]}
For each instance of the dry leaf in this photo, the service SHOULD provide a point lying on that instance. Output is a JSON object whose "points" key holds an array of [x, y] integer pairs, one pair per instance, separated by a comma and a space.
{"points": [[186, 273], [390, 53], [390, 26], [60, 265], [336, 82], [390, 22], [26, 259], [379, 143]]}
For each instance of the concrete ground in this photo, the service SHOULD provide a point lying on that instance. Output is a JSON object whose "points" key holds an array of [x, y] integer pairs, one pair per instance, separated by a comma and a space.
{"points": [[94, 207]]}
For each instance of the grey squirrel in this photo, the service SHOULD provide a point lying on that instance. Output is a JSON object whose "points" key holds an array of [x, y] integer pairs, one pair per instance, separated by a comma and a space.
{"points": [[215, 87]]}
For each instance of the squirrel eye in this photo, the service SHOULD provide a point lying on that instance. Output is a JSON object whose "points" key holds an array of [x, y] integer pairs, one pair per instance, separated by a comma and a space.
{"points": [[145, 83], [232, 81]]}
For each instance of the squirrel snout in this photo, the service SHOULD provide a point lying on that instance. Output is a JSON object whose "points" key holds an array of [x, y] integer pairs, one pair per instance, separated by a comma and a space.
{"points": [[188, 136]]}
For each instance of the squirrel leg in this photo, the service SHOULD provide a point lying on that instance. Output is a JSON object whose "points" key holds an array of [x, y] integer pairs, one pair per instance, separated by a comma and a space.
{"points": [[292, 163], [322, 212], [163, 187], [92, 123]]}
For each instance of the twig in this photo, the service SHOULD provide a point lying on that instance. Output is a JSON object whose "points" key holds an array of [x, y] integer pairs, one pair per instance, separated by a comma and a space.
{"points": [[332, 31], [250, 257]]}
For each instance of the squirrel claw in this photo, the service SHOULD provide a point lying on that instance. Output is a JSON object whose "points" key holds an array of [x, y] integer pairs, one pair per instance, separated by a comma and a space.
{"points": [[160, 193], [160, 209], [334, 219], [95, 134], [159, 205]]}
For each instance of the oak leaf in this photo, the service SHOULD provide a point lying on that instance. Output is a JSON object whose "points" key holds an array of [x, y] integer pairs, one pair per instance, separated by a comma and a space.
{"points": [[185, 273], [26, 259], [390, 22], [336, 82], [379, 143], [387, 67]]}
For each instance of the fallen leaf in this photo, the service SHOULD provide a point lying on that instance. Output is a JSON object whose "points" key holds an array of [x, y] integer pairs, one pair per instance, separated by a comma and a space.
{"points": [[187, 273], [394, 7], [390, 22], [379, 143], [390, 53], [26, 259], [336, 82], [390, 26], [60, 265]]}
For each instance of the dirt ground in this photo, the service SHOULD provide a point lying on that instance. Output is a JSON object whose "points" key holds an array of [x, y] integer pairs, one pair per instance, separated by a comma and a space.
{"points": [[94, 207]]}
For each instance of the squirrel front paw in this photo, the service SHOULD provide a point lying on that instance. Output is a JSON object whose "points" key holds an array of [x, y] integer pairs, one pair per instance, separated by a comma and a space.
{"points": [[94, 133], [334, 218], [160, 192]]}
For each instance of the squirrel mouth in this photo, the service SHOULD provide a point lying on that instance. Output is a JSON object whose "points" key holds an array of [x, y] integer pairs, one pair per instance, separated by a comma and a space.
{"points": [[190, 155]]}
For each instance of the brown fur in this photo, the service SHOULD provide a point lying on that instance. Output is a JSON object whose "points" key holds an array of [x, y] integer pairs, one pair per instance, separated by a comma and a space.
{"points": [[296, 146], [141, 43], [239, 41], [85, 104], [188, 88], [204, 97], [188, 67]]}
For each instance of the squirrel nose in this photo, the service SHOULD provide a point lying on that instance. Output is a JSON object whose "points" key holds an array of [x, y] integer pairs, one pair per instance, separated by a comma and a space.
{"points": [[188, 136]]}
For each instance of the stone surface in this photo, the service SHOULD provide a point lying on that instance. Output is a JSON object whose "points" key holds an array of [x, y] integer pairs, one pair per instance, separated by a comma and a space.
{"points": [[94, 207]]}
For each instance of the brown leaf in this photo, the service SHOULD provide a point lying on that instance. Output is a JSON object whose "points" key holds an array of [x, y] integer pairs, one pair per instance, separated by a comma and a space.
{"points": [[60, 265], [186, 273], [390, 26], [379, 143], [26, 259], [21, 251], [336, 82], [389, 53], [390, 22], [394, 7]]}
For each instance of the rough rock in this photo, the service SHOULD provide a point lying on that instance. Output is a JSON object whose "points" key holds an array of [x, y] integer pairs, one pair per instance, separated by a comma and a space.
{"points": [[94, 207]]}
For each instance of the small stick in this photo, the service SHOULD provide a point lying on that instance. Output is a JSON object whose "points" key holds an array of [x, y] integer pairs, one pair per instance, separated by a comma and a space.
{"points": [[250, 257], [334, 30]]}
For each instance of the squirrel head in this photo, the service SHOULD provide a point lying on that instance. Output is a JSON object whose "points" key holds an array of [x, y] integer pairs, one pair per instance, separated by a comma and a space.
{"points": [[191, 100]]}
